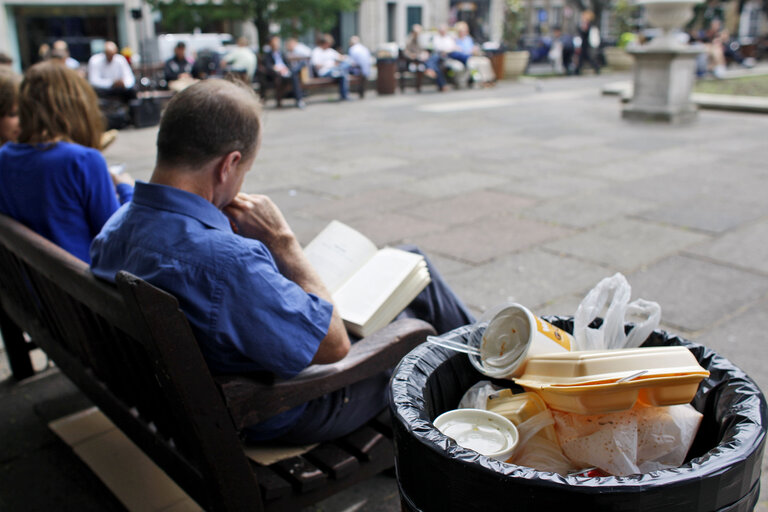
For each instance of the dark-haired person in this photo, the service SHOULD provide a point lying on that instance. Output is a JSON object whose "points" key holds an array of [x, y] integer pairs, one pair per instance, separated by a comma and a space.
{"points": [[54, 179], [253, 300], [278, 68], [9, 108], [178, 67]]}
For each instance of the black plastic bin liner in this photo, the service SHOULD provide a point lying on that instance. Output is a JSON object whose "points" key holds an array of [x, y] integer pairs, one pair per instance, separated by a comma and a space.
{"points": [[722, 470]]}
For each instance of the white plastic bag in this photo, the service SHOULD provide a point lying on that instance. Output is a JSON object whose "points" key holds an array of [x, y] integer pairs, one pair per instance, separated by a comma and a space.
{"points": [[610, 299], [639, 440], [476, 397]]}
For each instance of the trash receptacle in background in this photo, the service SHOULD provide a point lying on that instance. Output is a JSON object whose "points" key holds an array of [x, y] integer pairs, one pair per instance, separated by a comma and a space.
{"points": [[385, 81], [722, 471]]}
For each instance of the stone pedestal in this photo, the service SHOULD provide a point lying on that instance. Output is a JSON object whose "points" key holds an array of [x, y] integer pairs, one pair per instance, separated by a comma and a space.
{"points": [[663, 80]]}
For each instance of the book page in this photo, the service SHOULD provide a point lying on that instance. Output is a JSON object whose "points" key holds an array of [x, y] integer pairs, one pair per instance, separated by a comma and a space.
{"points": [[337, 252], [374, 283]]}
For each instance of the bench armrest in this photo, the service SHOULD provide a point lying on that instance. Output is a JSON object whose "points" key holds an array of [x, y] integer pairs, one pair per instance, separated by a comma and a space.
{"points": [[250, 401]]}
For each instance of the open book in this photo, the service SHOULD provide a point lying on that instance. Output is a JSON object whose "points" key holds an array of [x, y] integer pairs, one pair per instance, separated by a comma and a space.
{"points": [[370, 286]]}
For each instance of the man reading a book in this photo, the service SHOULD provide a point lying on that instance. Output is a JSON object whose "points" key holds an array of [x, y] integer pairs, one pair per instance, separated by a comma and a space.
{"points": [[254, 302]]}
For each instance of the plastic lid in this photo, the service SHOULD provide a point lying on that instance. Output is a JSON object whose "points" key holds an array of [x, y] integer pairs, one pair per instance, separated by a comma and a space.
{"points": [[485, 432], [502, 334]]}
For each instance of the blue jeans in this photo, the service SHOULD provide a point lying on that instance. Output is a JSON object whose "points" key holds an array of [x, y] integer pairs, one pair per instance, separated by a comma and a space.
{"points": [[343, 411], [434, 62], [341, 74]]}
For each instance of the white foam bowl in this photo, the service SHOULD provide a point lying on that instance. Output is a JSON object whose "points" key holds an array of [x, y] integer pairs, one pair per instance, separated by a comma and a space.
{"points": [[485, 432]]}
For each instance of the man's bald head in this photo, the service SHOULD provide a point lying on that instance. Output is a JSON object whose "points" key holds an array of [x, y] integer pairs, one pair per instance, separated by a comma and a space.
{"points": [[206, 121], [110, 49]]}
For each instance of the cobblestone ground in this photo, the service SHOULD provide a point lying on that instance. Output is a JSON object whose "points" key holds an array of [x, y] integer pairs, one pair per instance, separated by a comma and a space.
{"points": [[531, 191]]}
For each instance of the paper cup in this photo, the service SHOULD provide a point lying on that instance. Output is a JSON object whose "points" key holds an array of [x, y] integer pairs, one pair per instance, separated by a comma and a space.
{"points": [[485, 432], [507, 335]]}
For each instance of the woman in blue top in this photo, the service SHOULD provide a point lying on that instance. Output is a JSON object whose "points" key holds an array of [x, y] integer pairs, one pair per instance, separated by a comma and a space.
{"points": [[54, 180]]}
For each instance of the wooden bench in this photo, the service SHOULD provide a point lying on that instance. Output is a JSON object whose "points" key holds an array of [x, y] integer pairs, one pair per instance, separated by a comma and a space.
{"points": [[130, 349], [309, 82]]}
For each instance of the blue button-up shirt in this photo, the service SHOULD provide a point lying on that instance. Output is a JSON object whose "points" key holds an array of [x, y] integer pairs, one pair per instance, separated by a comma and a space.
{"points": [[246, 316]]}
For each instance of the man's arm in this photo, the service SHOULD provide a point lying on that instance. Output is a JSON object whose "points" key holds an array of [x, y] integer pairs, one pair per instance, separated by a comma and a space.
{"points": [[129, 79], [257, 217]]}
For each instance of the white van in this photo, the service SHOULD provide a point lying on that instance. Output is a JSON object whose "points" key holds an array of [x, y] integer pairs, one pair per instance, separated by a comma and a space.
{"points": [[195, 42]]}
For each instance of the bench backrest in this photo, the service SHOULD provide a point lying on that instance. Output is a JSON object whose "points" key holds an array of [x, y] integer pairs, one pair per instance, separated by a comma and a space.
{"points": [[131, 350]]}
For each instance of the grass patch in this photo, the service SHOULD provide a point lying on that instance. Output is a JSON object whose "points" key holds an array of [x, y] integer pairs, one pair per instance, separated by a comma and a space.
{"points": [[745, 86]]}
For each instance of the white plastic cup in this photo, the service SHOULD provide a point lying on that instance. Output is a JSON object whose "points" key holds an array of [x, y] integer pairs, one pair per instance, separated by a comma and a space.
{"points": [[507, 335], [485, 432]]}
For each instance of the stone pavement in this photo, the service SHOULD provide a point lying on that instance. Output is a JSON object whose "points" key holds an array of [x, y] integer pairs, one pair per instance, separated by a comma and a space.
{"points": [[531, 191]]}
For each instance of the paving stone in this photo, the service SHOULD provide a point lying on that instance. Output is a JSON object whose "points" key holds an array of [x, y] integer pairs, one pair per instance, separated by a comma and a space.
{"points": [[585, 210], [739, 338], [470, 207], [478, 243], [710, 213], [346, 186], [547, 188], [398, 229], [696, 294], [532, 278], [360, 205], [746, 247], [626, 244], [449, 185]]}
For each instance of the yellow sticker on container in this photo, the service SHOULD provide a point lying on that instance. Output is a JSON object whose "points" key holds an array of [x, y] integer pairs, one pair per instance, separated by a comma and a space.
{"points": [[556, 334]]}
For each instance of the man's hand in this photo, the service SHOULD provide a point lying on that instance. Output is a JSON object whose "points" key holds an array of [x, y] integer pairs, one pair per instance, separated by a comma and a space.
{"points": [[118, 84], [257, 217]]}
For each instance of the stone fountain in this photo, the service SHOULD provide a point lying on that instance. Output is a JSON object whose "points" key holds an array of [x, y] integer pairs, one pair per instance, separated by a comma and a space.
{"points": [[665, 68]]}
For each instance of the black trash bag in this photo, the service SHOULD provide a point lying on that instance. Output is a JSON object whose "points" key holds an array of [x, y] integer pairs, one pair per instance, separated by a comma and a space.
{"points": [[721, 472]]}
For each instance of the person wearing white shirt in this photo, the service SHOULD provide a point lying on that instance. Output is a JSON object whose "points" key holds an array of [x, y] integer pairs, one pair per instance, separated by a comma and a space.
{"points": [[360, 56], [327, 62], [110, 74]]}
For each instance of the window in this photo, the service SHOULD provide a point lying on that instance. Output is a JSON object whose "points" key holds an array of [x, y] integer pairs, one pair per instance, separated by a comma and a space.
{"points": [[412, 16], [391, 9]]}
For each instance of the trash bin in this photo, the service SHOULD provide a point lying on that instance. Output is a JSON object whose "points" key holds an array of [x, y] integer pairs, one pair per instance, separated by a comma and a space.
{"points": [[385, 81], [497, 62], [722, 471]]}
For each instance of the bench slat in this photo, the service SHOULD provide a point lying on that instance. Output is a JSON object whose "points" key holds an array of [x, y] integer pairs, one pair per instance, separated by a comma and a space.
{"points": [[333, 460], [303, 475]]}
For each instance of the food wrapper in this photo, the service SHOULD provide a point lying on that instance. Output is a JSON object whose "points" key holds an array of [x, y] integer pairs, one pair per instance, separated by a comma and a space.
{"points": [[639, 440]]}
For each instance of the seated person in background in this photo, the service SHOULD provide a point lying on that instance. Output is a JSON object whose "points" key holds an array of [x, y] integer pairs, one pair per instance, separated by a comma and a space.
{"points": [[178, 67], [442, 45], [468, 54], [62, 48], [327, 62], [295, 49], [360, 57], [9, 105], [241, 277], [54, 180], [111, 75], [416, 54], [241, 61], [277, 68]]}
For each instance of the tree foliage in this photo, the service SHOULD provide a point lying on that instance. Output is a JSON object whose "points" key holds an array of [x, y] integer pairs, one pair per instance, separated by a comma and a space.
{"points": [[295, 17]]}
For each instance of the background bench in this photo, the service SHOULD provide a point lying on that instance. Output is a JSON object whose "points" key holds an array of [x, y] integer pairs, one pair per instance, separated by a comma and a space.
{"points": [[132, 352]]}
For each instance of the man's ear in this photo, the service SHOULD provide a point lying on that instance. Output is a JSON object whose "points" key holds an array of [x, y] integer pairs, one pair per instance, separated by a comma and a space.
{"points": [[227, 165]]}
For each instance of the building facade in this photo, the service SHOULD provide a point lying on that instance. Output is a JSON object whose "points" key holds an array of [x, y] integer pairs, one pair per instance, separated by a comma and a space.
{"points": [[85, 25]]}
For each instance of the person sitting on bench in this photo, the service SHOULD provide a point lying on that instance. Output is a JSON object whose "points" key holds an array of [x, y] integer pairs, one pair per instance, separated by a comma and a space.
{"points": [[277, 68], [54, 180], [327, 62], [254, 302]]}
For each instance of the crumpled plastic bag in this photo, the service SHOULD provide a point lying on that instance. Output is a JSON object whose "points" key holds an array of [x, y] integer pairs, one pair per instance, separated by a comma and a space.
{"points": [[612, 296], [476, 397], [639, 440]]}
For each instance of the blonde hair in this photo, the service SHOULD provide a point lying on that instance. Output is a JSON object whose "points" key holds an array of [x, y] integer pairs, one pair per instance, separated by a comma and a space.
{"points": [[55, 103]]}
